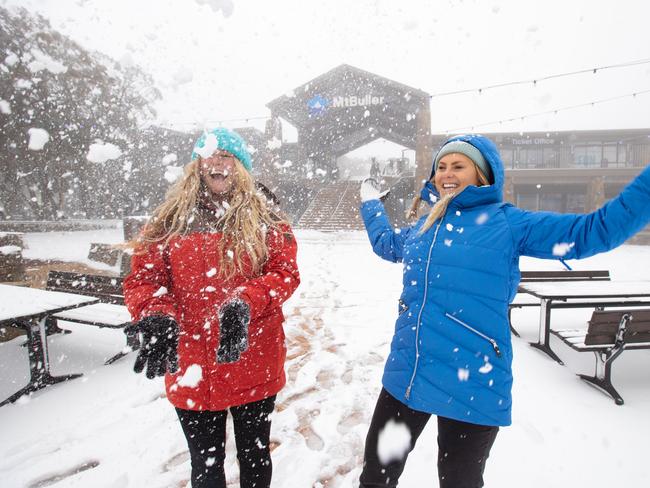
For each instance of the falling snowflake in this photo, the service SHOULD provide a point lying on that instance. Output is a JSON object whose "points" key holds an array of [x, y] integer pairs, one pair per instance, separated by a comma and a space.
{"points": [[160, 292], [193, 375], [561, 248], [394, 442], [481, 219]]}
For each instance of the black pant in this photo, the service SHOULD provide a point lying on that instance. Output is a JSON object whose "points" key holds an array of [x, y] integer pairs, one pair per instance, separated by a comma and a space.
{"points": [[205, 432], [463, 448]]}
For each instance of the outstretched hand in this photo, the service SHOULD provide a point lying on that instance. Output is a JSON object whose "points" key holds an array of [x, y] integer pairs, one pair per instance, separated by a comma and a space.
{"points": [[159, 345], [370, 190]]}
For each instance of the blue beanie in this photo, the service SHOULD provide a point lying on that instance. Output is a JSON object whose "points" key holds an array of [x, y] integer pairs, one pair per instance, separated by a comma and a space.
{"points": [[468, 150], [225, 139]]}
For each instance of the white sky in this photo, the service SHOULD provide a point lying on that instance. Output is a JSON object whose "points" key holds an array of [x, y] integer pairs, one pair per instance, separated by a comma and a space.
{"points": [[212, 67]]}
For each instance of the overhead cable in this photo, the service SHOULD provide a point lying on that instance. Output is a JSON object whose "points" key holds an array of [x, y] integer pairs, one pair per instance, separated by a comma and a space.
{"points": [[547, 112], [534, 81]]}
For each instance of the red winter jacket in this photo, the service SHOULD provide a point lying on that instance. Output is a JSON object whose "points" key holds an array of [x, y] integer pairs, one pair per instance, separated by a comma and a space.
{"points": [[181, 280]]}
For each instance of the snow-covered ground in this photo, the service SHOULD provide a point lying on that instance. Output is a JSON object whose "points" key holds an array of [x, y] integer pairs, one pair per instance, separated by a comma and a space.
{"points": [[113, 428]]}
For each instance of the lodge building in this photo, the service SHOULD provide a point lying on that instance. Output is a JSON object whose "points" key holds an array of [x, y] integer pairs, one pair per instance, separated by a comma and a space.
{"points": [[346, 108]]}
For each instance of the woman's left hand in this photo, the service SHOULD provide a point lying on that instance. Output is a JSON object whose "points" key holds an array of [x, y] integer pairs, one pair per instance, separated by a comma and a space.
{"points": [[234, 318]]}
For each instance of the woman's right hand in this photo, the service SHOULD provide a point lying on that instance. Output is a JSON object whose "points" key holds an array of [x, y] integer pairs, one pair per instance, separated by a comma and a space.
{"points": [[370, 190], [158, 351]]}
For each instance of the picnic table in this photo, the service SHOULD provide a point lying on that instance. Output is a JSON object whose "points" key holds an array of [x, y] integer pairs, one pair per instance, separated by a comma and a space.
{"points": [[591, 294], [29, 309]]}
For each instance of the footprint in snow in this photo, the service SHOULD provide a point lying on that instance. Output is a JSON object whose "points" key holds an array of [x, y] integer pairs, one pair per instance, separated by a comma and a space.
{"points": [[312, 439], [51, 479], [176, 460]]}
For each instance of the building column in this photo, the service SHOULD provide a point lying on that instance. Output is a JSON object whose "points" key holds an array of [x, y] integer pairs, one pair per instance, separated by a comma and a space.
{"points": [[423, 148], [595, 194]]}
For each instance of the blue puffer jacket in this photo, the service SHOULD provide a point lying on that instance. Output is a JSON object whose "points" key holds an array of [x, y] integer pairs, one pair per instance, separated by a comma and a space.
{"points": [[451, 353]]}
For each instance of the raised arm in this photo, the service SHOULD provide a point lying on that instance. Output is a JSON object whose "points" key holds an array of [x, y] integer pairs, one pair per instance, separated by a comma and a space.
{"points": [[552, 235], [387, 242]]}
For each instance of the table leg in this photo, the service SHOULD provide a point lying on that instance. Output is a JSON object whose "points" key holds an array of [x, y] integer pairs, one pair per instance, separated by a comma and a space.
{"points": [[543, 343], [52, 327], [39, 366], [132, 344]]}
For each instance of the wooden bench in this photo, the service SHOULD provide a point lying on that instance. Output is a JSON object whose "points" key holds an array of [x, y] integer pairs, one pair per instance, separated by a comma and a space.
{"points": [[109, 313], [525, 300], [609, 333], [107, 288]]}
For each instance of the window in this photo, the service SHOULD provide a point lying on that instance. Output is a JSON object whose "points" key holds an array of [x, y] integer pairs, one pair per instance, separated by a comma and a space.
{"points": [[527, 201], [551, 157], [587, 156], [622, 154], [552, 202], [609, 155], [531, 158], [575, 203]]}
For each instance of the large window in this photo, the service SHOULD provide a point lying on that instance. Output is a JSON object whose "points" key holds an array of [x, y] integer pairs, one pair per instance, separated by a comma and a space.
{"points": [[551, 157], [531, 157], [588, 156]]}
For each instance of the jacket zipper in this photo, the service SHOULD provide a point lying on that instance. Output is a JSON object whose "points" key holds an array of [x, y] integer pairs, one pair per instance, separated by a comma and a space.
{"points": [[495, 346], [417, 328]]}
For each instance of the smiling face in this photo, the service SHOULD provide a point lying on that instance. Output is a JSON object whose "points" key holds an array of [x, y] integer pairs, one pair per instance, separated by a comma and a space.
{"points": [[218, 173], [454, 173]]}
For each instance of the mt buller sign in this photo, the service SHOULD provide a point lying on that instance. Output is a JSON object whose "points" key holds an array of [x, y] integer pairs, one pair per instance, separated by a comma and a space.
{"points": [[355, 101]]}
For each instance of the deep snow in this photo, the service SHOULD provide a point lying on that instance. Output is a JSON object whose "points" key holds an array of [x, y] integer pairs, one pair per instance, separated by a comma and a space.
{"points": [[114, 428]]}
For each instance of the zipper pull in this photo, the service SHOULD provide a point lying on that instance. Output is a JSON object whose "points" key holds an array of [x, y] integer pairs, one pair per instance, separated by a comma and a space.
{"points": [[495, 346], [408, 392]]}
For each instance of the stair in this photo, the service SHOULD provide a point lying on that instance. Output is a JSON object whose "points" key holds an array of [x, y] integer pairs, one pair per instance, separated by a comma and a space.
{"points": [[335, 207]]}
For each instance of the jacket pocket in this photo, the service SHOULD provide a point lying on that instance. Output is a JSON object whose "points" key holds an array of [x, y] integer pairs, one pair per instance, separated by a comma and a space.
{"points": [[480, 334], [263, 361]]}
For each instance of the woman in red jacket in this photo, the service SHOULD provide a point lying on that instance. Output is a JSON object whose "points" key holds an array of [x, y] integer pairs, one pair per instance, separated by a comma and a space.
{"points": [[208, 278]]}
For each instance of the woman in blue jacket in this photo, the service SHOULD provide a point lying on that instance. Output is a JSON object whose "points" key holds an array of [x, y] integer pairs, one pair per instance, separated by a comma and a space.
{"points": [[451, 353]]}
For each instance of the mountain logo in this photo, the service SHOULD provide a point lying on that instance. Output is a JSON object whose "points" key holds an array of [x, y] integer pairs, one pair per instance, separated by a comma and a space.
{"points": [[317, 106]]}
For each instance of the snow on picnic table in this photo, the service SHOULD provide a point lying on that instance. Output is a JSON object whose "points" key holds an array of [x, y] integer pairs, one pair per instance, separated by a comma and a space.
{"points": [[18, 301], [113, 428]]}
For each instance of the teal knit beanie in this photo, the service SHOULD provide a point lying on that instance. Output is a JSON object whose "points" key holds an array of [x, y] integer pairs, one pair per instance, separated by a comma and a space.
{"points": [[468, 150], [226, 140]]}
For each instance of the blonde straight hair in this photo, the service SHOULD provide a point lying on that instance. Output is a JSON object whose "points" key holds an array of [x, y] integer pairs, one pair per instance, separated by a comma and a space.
{"points": [[244, 224], [440, 207]]}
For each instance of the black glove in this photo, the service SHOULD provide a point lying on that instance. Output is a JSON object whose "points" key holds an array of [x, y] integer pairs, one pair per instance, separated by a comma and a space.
{"points": [[234, 318], [159, 345]]}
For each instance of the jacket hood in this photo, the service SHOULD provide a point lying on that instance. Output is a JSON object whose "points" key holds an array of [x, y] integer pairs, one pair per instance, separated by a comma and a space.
{"points": [[472, 195]]}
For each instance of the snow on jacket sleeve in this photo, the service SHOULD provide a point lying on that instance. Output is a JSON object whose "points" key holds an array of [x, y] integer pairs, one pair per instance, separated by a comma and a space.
{"points": [[551, 235], [280, 276], [386, 242], [147, 288]]}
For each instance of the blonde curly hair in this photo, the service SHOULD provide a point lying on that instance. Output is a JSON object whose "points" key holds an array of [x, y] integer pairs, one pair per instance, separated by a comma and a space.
{"points": [[244, 225]]}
